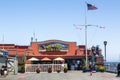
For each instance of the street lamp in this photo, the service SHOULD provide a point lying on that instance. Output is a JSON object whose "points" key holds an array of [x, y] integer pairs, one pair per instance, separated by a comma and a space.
{"points": [[105, 43]]}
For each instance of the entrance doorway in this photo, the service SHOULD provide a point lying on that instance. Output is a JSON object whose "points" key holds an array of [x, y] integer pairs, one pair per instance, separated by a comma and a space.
{"points": [[74, 64]]}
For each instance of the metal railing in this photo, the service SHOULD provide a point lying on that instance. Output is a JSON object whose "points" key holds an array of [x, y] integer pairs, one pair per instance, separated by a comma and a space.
{"points": [[111, 67]]}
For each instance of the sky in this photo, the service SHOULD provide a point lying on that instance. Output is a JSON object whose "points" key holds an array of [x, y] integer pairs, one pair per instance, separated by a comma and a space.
{"points": [[53, 19]]}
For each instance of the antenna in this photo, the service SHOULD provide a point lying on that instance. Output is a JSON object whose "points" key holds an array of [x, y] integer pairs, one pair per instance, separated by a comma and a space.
{"points": [[119, 57], [34, 35], [3, 41], [31, 39], [36, 39]]}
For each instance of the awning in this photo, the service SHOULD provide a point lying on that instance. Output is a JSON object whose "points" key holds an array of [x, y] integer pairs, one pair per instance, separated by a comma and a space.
{"points": [[46, 59]]}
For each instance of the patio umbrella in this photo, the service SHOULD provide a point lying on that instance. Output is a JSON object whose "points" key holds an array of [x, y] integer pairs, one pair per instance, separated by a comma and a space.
{"points": [[46, 59], [33, 59], [56, 60], [59, 59]]}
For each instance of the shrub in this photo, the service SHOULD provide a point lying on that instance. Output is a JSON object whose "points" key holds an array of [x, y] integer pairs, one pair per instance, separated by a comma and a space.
{"points": [[102, 68], [21, 67], [65, 69], [97, 68], [85, 69]]}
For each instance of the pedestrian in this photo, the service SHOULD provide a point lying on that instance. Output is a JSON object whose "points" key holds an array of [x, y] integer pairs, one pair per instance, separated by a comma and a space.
{"points": [[118, 69], [76, 66], [91, 68]]}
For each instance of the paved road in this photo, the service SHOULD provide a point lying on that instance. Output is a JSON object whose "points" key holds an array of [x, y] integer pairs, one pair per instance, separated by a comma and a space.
{"points": [[71, 75]]}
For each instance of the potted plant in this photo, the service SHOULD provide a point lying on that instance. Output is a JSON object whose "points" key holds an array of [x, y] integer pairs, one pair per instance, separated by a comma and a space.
{"points": [[37, 70], [49, 70], [65, 69], [58, 70], [22, 69]]}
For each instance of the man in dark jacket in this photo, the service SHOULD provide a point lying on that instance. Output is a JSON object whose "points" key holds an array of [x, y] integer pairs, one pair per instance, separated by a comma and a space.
{"points": [[118, 69]]}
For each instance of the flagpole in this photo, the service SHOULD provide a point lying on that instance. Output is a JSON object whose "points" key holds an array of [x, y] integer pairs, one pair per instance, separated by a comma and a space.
{"points": [[89, 7], [86, 55]]}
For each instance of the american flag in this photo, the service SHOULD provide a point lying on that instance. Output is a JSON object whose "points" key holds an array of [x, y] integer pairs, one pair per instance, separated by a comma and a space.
{"points": [[91, 7]]}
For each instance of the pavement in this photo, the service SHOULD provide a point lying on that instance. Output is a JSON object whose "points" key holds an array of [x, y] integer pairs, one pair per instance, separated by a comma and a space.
{"points": [[70, 75]]}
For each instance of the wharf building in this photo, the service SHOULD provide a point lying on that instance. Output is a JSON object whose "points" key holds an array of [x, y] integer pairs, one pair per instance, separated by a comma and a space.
{"points": [[71, 52]]}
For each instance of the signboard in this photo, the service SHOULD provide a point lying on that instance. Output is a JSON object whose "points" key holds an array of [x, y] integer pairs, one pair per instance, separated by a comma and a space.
{"points": [[53, 46], [5, 54]]}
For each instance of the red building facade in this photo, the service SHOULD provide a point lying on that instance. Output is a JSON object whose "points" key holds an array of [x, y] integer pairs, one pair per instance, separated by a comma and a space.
{"points": [[57, 48], [51, 49]]}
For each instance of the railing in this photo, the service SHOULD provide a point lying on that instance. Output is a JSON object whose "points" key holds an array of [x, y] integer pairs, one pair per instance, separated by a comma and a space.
{"points": [[44, 67], [111, 67]]}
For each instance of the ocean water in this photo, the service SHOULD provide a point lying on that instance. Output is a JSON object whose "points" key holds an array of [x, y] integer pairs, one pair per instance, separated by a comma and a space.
{"points": [[112, 62], [111, 66]]}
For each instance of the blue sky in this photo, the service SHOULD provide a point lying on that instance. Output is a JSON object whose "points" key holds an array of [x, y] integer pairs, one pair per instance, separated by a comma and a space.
{"points": [[54, 19]]}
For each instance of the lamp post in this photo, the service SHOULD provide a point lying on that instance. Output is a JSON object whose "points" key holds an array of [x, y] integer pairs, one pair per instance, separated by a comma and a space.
{"points": [[105, 43]]}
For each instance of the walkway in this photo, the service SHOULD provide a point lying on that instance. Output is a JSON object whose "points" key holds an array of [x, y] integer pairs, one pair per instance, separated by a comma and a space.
{"points": [[71, 75]]}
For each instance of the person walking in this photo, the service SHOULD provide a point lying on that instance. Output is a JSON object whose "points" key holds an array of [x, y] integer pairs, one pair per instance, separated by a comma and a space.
{"points": [[118, 69], [91, 68]]}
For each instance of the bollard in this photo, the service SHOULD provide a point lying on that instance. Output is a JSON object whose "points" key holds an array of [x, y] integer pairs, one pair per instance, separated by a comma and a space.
{"points": [[5, 72]]}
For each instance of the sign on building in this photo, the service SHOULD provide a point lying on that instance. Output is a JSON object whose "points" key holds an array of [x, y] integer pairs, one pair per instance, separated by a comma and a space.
{"points": [[5, 54]]}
